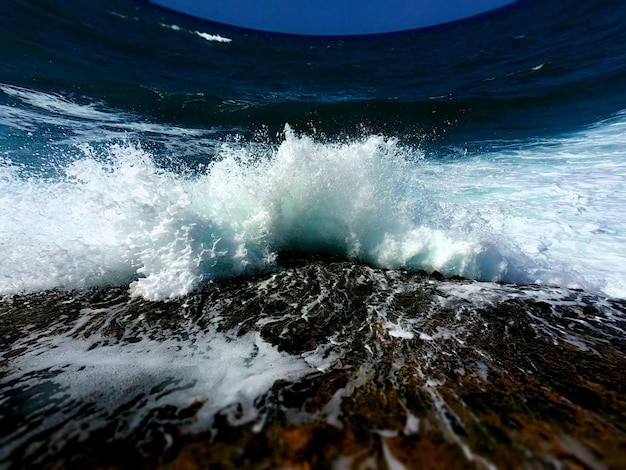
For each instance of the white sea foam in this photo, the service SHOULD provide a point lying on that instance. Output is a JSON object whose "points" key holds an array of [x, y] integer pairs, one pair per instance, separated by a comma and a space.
{"points": [[213, 37], [58, 104], [551, 213], [207, 36], [216, 371], [78, 121]]}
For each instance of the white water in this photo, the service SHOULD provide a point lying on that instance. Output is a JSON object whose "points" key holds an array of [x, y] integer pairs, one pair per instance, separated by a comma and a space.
{"points": [[219, 372], [550, 212]]}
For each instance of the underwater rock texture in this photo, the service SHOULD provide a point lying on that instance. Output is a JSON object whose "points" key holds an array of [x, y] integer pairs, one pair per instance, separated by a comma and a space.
{"points": [[323, 363]]}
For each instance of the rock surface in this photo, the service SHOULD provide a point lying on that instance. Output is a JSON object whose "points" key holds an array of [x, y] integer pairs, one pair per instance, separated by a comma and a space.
{"points": [[322, 364]]}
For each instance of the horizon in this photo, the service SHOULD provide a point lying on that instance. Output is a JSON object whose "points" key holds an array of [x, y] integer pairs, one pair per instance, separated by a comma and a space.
{"points": [[330, 18]]}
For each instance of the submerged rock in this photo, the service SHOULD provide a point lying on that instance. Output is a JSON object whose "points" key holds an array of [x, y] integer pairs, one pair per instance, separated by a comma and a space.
{"points": [[325, 363]]}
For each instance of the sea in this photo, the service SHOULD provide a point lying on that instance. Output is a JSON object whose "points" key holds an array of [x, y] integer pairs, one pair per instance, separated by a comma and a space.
{"points": [[149, 155], [146, 148]]}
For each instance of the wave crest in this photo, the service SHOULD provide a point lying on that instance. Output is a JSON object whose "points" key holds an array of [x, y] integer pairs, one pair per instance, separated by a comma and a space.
{"points": [[115, 216]]}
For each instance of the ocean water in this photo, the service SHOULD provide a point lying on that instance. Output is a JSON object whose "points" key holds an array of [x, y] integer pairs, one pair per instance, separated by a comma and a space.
{"points": [[149, 153], [143, 148]]}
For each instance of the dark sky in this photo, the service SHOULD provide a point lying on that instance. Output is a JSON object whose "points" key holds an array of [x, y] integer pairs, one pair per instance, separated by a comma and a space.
{"points": [[332, 17]]}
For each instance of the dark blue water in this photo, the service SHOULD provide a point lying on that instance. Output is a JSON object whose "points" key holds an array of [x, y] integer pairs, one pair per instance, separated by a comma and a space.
{"points": [[532, 68], [492, 147]]}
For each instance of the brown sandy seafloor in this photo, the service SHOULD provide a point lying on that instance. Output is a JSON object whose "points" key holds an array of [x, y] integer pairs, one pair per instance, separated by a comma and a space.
{"points": [[374, 369]]}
